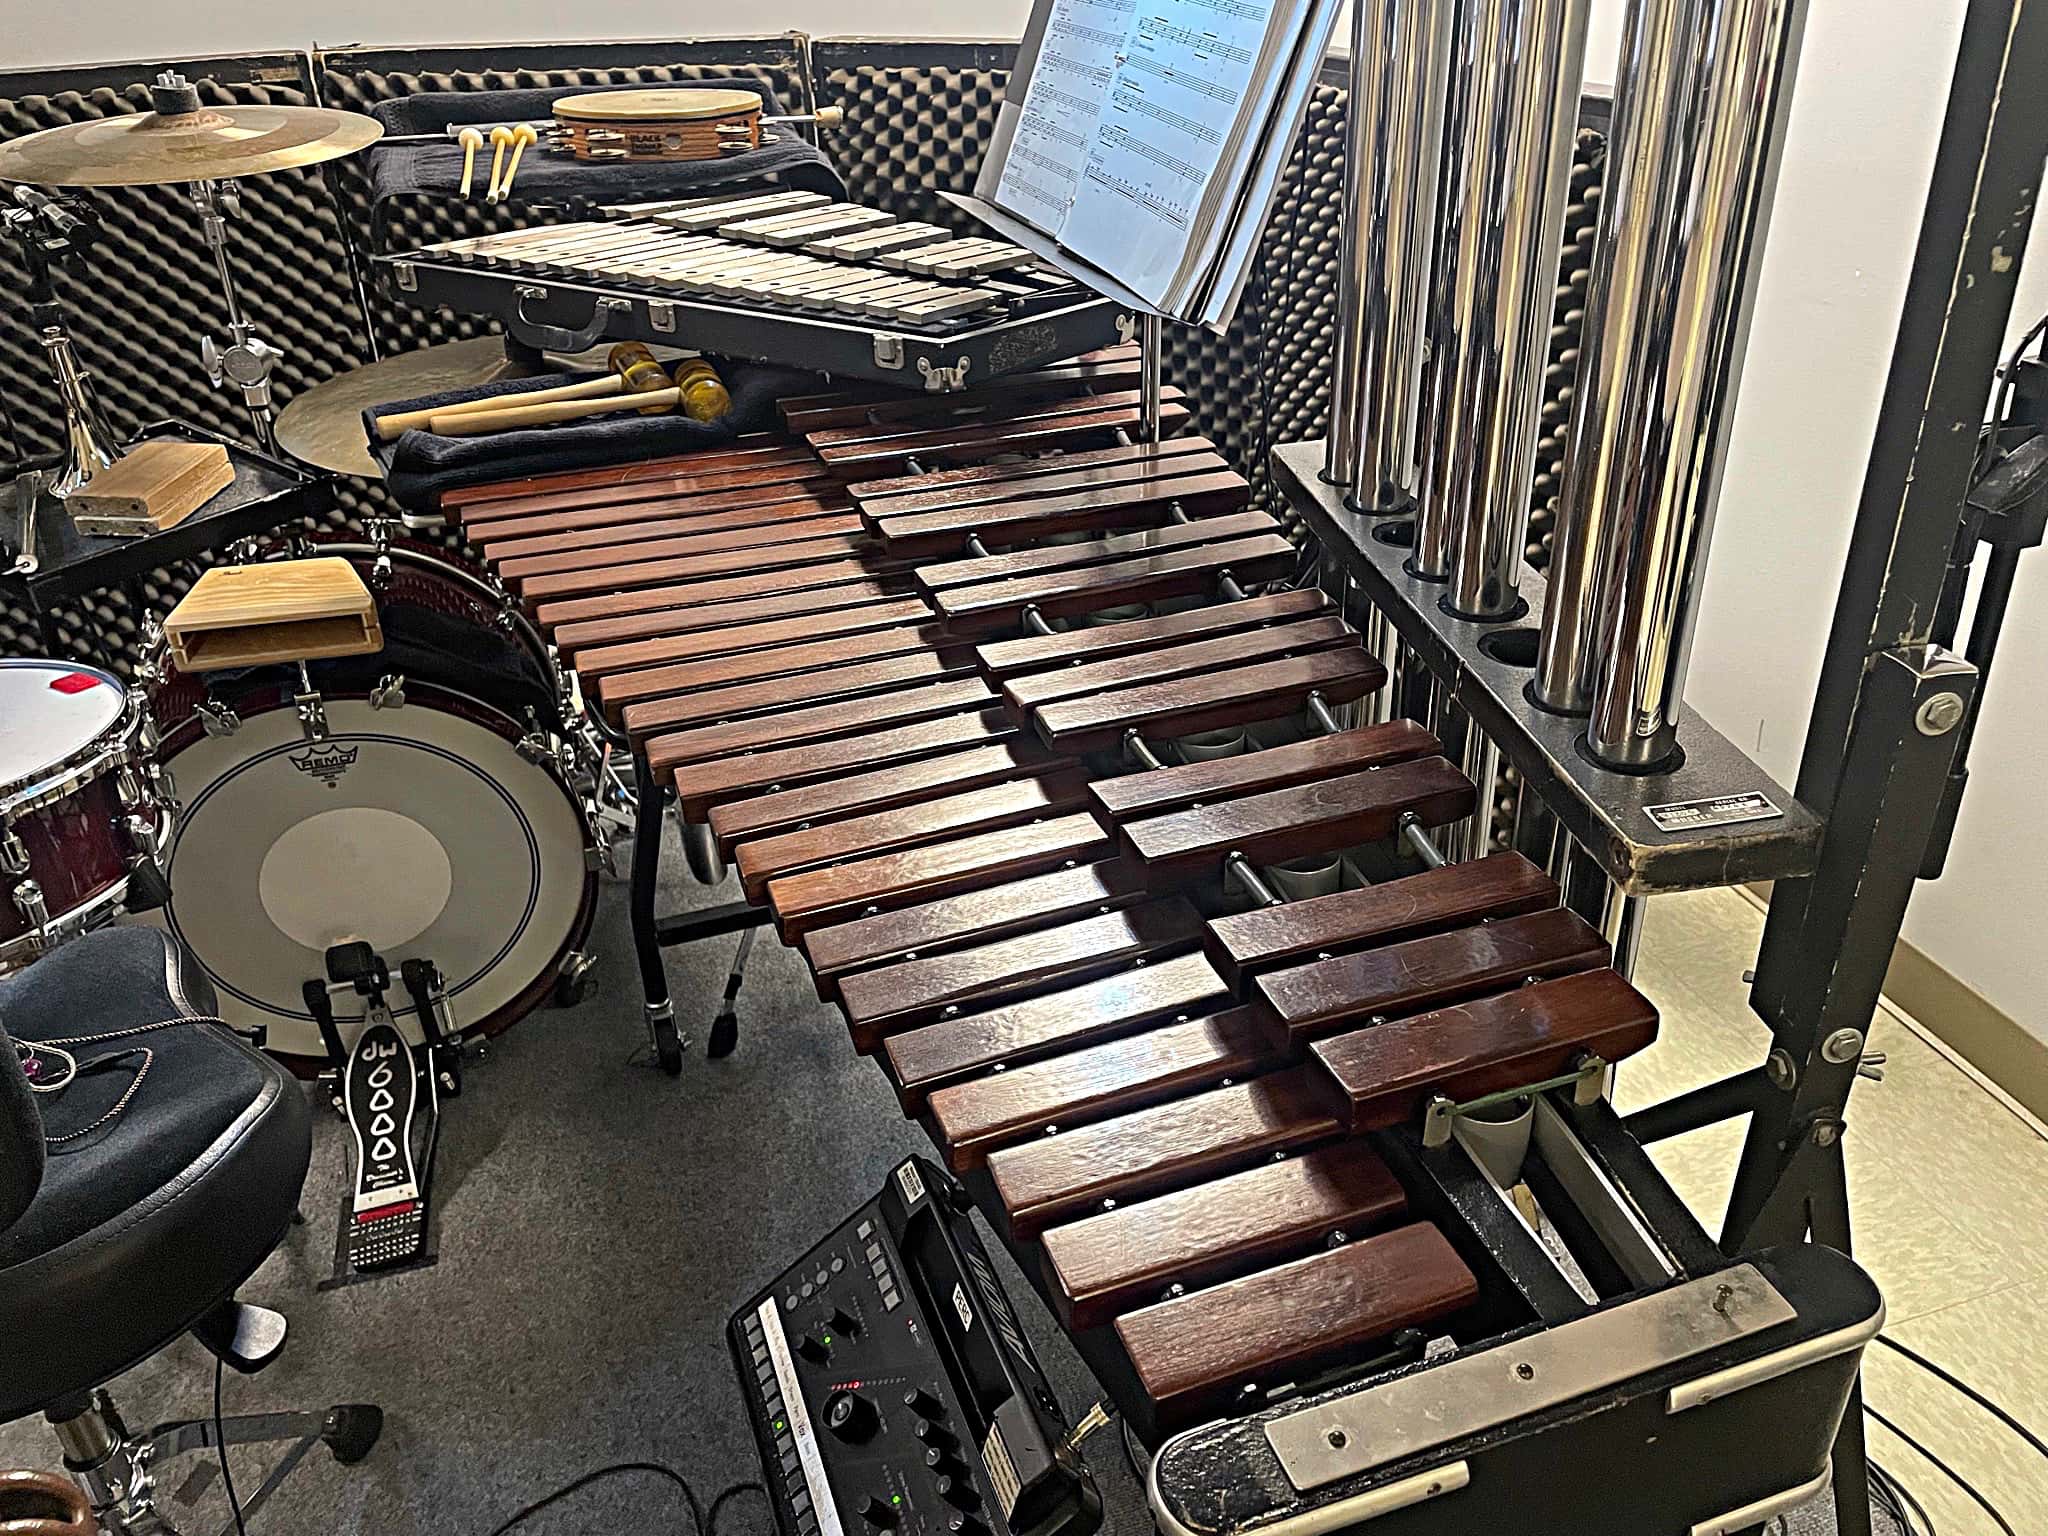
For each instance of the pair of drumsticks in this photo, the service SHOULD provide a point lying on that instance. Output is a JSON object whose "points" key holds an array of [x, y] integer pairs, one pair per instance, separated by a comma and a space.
{"points": [[502, 139]]}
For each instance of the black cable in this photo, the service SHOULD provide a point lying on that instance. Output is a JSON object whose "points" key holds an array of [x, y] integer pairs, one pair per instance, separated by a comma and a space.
{"points": [[220, 1446], [1900, 1502], [614, 1470], [2011, 1423], [1946, 1471], [711, 1519]]}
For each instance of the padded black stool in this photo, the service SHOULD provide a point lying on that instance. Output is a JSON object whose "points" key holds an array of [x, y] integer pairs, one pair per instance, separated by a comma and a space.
{"points": [[134, 1202]]}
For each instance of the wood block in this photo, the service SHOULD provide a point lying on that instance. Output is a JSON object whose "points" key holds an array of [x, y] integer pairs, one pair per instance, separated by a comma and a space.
{"points": [[877, 614], [1124, 1259], [806, 901], [701, 785], [1158, 791], [1149, 578], [1195, 1354], [1013, 522], [1310, 818], [972, 917], [793, 691], [970, 1119], [629, 570], [792, 727], [1306, 1002], [862, 461], [1241, 945], [921, 1061], [1056, 1179], [278, 610], [1194, 659], [155, 485], [977, 479], [1209, 700], [862, 794], [1388, 1073], [980, 569], [1002, 659], [1064, 475], [1053, 792], [913, 992], [660, 539]]}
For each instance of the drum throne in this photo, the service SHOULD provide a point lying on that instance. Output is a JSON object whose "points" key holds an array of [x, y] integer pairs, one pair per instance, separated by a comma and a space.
{"points": [[134, 1202]]}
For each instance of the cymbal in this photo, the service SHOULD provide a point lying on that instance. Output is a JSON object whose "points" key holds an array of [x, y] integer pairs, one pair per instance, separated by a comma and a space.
{"points": [[324, 425], [146, 149]]}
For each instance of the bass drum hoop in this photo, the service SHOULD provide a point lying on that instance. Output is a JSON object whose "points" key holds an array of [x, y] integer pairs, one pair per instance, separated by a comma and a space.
{"points": [[448, 701]]}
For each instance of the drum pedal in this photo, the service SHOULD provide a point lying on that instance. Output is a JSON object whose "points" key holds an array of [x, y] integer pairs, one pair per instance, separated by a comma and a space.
{"points": [[385, 1214]]}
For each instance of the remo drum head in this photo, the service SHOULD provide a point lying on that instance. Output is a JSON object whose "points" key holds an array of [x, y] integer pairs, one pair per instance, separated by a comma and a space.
{"points": [[416, 828]]}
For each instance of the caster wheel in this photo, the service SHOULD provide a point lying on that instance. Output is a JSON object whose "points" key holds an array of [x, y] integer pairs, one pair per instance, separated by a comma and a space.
{"points": [[351, 1430], [571, 989], [668, 1046], [725, 1036]]}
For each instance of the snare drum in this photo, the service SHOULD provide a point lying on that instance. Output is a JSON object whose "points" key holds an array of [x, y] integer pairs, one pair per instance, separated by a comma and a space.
{"points": [[82, 804], [420, 799]]}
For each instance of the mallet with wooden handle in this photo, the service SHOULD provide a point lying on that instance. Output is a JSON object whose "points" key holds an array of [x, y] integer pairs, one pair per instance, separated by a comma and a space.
{"points": [[501, 140], [471, 140], [478, 423], [522, 136], [401, 422]]}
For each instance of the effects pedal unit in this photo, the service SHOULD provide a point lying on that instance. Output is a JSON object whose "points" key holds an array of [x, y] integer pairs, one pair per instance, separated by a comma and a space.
{"points": [[891, 1390]]}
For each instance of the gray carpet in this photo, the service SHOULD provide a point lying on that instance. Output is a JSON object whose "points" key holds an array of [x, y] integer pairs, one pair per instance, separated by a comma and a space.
{"points": [[599, 1222]]}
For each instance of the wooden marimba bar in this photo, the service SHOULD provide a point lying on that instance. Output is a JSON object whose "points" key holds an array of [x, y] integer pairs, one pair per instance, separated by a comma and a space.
{"points": [[849, 657]]}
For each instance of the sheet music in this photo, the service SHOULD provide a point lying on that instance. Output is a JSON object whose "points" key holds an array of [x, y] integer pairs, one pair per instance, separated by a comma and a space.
{"points": [[1173, 115], [1069, 82]]}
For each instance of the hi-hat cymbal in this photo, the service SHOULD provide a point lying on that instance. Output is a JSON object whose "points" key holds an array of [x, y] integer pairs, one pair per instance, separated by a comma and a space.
{"points": [[323, 426], [146, 149]]}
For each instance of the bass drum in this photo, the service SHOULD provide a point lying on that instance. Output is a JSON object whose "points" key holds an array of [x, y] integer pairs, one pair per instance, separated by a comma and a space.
{"points": [[429, 816]]}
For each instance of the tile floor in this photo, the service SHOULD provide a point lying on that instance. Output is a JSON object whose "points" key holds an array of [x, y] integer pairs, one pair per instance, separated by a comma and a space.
{"points": [[1948, 1200]]}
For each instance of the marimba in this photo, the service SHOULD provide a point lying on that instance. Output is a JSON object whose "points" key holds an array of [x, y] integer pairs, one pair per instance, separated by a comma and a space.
{"points": [[859, 655]]}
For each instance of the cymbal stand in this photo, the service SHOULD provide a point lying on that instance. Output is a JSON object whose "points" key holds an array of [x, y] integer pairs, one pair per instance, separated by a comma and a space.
{"points": [[247, 360], [50, 231]]}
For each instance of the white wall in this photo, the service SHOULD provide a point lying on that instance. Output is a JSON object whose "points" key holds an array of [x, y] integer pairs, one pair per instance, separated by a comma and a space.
{"points": [[1866, 116], [36, 32]]}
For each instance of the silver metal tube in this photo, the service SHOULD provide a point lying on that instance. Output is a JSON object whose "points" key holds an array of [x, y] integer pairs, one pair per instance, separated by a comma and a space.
{"points": [[1523, 125], [1700, 125], [1151, 369], [1437, 446], [1400, 51]]}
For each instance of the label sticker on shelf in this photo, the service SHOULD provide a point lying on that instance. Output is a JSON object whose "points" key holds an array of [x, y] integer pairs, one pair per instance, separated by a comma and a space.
{"points": [[1714, 811]]}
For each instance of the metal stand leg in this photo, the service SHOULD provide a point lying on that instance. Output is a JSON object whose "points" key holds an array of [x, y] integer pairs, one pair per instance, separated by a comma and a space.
{"points": [[1151, 361], [725, 1029], [659, 1009]]}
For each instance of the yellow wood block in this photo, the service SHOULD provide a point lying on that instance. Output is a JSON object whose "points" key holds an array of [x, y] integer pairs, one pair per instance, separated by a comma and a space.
{"points": [[280, 610], [155, 485]]}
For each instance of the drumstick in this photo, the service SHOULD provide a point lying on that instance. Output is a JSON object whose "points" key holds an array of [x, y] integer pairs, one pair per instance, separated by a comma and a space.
{"points": [[471, 140], [400, 422], [477, 423], [522, 136], [500, 138]]}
